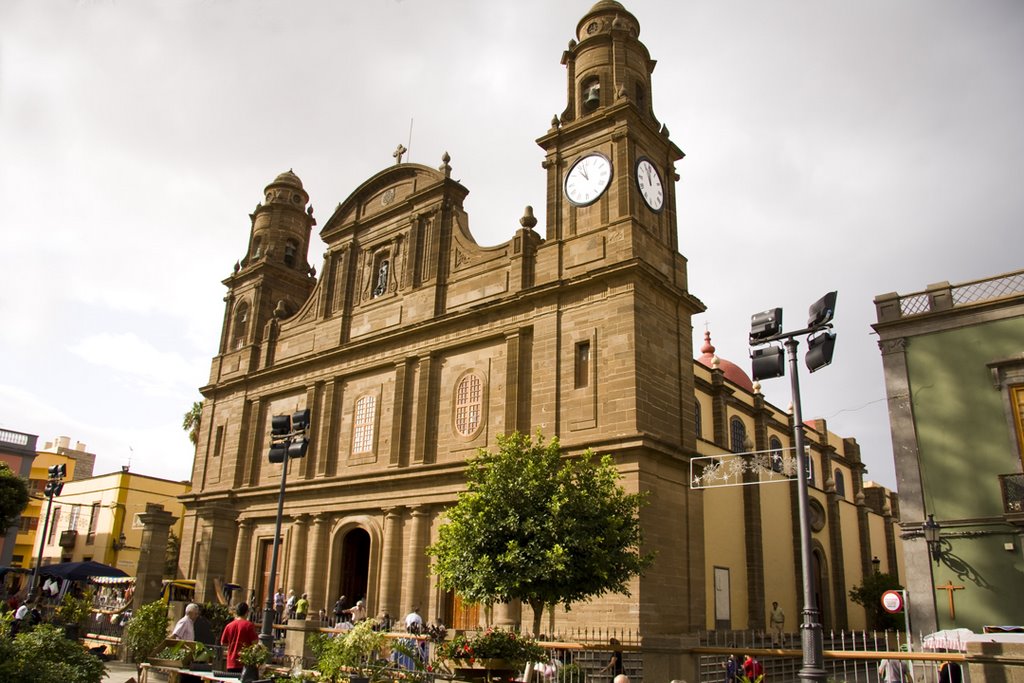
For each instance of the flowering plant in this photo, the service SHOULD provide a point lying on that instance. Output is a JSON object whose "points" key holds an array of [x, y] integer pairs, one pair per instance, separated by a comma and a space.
{"points": [[254, 655], [492, 644]]}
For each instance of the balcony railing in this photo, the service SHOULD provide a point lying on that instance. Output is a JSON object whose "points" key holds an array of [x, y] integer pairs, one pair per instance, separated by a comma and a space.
{"points": [[1012, 486], [943, 296]]}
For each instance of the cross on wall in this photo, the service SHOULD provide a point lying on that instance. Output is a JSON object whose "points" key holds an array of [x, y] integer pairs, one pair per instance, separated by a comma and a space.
{"points": [[949, 588]]}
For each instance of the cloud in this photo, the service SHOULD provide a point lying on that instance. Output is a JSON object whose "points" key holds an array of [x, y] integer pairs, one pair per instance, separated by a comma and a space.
{"points": [[139, 362]]}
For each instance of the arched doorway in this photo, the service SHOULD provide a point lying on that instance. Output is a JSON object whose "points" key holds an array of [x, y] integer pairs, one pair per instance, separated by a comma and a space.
{"points": [[820, 588], [355, 564]]}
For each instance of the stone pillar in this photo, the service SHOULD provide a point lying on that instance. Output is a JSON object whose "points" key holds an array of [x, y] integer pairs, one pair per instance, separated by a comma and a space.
{"points": [[415, 573], [509, 614], [316, 581], [156, 526], [390, 564], [298, 552], [243, 555]]}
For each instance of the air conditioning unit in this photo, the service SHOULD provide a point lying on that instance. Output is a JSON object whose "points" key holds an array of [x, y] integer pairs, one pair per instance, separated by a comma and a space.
{"points": [[68, 538]]}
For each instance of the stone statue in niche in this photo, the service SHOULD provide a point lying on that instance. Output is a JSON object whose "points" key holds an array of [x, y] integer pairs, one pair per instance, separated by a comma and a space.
{"points": [[382, 278]]}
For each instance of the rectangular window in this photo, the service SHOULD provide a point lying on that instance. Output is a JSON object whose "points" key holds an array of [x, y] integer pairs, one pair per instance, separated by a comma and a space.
{"points": [[218, 442], [94, 513], [54, 523], [582, 364], [76, 511], [1017, 397]]}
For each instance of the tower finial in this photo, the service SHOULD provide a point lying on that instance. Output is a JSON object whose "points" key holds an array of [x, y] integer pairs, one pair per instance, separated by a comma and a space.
{"points": [[399, 151]]}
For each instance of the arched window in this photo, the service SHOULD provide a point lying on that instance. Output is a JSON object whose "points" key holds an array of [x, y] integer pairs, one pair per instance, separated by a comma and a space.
{"points": [[291, 248], [775, 453], [257, 247], [363, 422], [468, 404], [810, 469], [737, 435], [840, 482], [240, 325], [697, 419]]}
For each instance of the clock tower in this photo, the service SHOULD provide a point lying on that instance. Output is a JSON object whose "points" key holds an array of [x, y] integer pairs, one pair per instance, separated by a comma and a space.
{"points": [[610, 163]]}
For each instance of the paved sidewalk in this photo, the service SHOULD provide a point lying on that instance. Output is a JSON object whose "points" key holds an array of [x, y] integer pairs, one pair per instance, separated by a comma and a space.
{"points": [[120, 672]]}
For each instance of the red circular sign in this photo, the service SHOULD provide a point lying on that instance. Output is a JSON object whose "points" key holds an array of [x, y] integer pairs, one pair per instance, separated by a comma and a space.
{"points": [[892, 602]]}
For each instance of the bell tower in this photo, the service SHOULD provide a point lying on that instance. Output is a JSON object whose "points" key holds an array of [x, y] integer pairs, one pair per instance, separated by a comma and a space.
{"points": [[273, 279], [609, 162]]}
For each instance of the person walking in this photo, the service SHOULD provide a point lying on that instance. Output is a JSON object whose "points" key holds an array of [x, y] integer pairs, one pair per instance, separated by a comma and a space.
{"points": [[732, 669], [752, 669], [339, 609], [777, 619], [185, 628], [238, 635], [302, 606]]}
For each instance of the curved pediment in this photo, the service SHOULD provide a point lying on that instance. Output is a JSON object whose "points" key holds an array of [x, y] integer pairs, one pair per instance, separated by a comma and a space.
{"points": [[388, 192]]}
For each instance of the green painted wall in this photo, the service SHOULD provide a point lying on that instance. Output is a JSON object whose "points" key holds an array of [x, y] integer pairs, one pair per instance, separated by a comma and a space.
{"points": [[965, 442]]}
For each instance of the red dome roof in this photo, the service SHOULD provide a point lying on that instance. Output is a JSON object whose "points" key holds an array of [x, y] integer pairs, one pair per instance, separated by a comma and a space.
{"points": [[732, 372]]}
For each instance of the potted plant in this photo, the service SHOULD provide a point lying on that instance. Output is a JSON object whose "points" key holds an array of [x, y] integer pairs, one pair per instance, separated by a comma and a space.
{"points": [[73, 613], [494, 653], [146, 630], [178, 655], [253, 658], [353, 654]]}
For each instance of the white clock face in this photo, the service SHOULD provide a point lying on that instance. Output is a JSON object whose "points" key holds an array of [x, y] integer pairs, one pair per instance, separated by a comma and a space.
{"points": [[588, 178], [649, 182]]}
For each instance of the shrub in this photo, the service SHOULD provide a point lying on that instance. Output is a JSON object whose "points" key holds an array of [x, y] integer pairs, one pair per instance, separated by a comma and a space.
{"points": [[493, 644], [44, 655], [146, 630]]}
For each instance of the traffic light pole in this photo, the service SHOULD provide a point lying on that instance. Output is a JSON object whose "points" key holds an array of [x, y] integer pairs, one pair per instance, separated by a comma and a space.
{"points": [[267, 633], [42, 540], [811, 638]]}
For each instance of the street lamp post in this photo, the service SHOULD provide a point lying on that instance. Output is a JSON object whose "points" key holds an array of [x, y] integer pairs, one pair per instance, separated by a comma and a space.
{"points": [[54, 485], [288, 439], [766, 328]]}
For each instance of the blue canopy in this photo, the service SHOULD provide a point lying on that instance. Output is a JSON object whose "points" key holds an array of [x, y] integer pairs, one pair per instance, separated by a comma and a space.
{"points": [[79, 571]]}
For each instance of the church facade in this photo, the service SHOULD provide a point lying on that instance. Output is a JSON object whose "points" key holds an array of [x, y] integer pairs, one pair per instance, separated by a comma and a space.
{"points": [[415, 347]]}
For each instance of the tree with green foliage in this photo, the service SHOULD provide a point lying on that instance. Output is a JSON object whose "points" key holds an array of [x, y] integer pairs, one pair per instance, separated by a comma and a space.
{"points": [[869, 594], [537, 527], [171, 555], [44, 655], [191, 422], [13, 497], [146, 630]]}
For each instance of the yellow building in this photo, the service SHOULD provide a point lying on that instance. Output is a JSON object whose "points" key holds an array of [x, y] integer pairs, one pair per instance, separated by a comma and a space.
{"points": [[31, 522], [751, 519], [97, 518]]}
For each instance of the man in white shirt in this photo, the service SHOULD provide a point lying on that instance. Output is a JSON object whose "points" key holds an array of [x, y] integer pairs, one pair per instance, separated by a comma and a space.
{"points": [[185, 628], [413, 617]]}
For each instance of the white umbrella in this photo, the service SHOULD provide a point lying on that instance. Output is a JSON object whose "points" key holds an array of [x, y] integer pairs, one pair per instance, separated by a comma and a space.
{"points": [[948, 639]]}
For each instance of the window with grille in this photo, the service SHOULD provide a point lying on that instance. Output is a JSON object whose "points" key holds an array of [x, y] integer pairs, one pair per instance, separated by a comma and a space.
{"points": [[363, 424], [775, 453], [737, 435], [468, 404]]}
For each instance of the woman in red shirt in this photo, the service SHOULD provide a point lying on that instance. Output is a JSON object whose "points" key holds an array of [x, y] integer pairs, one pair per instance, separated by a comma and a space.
{"points": [[238, 635]]}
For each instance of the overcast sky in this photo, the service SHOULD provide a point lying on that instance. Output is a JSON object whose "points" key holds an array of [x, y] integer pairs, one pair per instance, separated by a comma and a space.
{"points": [[867, 147]]}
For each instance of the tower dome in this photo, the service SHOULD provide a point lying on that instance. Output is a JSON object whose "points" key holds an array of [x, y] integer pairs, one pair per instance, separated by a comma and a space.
{"points": [[732, 372]]}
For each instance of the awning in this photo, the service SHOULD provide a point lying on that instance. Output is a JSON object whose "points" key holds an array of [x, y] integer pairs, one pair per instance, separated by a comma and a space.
{"points": [[948, 639], [79, 571]]}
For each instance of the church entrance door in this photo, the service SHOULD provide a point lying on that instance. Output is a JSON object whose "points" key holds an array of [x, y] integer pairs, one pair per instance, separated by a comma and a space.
{"points": [[355, 565]]}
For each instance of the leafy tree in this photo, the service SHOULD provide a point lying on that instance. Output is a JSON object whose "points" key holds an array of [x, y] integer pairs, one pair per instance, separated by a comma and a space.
{"points": [[44, 655], [13, 497], [193, 418], [869, 594], [146, 630], [171, 554], [539, 528]]}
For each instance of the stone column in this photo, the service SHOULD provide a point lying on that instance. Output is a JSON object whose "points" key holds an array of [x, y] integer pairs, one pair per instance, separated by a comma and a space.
{"points": [[316, 581], [415, 566], [390, 564], [156, 526], [297, 566], [243, 556]]}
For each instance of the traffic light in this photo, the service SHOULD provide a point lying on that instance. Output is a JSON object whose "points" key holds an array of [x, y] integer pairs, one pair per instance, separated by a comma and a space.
{"points": [[820, 349], [768, 362], [299, 442], [53, 488], [280, 426], [765, 325], [822, 310]]}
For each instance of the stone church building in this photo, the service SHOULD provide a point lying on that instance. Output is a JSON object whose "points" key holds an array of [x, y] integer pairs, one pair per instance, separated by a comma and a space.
{"points": [[415, 347]]}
